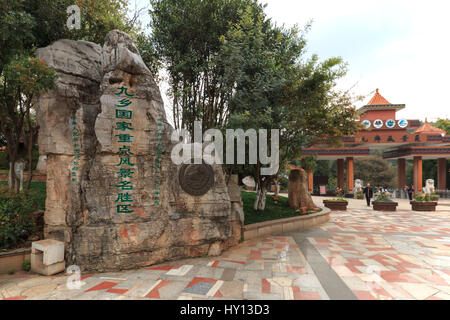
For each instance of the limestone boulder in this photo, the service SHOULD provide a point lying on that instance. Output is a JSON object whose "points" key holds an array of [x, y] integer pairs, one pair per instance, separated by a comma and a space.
{"points": [[163, 222]]}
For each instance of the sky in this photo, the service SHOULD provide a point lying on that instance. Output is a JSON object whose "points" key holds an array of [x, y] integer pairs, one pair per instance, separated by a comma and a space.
{"points": [[401, 47]]}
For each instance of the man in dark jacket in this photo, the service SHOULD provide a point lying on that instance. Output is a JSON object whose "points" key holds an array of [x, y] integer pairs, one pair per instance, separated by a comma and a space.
{"points": [[368, 192], [410, 192]]}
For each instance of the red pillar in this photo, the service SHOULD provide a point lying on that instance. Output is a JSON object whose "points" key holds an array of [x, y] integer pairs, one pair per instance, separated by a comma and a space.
{"points": [[340, 173], [310, 181], [350, 176], [401, 173], [442, 174], [418, 185]]}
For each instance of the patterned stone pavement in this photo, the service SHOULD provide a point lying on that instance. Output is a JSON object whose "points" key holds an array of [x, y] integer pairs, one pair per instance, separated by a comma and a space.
{"points": [[359, 254]]}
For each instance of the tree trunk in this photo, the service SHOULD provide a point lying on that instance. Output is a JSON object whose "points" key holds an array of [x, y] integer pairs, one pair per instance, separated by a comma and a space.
{"points": [[260, 202], [12, 177], [32, 131], [12, 148], [30, 164], [299, 197], [276, 187]]}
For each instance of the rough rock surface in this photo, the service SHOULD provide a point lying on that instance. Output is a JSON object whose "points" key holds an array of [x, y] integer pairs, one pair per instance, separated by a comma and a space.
{"points": [[83, 212], [298, 194]]}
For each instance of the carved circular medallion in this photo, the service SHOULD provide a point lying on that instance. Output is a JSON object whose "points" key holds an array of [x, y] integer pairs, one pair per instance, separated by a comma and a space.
{"points": [[402, 123], [367, 123], [378, 124], [390, 123], [196, 179]]}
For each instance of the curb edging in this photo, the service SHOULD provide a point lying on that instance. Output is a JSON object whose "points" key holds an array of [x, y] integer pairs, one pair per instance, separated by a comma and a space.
{"points": [[268, 228]]}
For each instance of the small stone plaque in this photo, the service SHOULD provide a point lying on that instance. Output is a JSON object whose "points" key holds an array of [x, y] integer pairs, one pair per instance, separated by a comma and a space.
{"points": [[196, 179]]}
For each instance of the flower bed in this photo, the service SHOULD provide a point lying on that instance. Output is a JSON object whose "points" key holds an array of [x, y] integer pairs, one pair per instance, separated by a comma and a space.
{"points": [[383, 202], [385, 205], [424, 202], [336, 205], [339, 204], [423, 206]]}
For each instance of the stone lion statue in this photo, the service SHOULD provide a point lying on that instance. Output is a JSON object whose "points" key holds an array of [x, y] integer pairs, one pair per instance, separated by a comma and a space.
{"points": [[358, 184], [429, 186]]}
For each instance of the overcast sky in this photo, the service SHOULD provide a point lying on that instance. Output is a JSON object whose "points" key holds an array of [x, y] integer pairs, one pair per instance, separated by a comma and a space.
{"points": [[401, 47]]}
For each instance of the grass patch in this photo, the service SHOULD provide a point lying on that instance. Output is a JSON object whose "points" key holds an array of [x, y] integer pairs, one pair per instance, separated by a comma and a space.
{"points": [[274, 210]]}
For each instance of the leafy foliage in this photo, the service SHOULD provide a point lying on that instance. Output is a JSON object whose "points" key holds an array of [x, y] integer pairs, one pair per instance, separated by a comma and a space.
{"points": [[98, 17], [443, 124], [26, 25], [332, 184], [383, 197], [340, 193], [188, 38], [376, 171], [22, 79], [309, 163], [275, 87], [423, 197], [27, 76], [26, 265], [4, 163], [15, 222], [16, 30]]}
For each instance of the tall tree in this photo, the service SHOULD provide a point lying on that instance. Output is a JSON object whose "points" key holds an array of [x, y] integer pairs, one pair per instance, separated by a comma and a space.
{"points": [[22, 79], [187, 38], [230, 67], [276, 89], [26, 25], [98, 17]]}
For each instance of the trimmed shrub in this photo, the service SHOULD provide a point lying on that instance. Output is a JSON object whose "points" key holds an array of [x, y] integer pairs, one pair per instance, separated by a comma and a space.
{"points": [[26, 265], [16, 224]]}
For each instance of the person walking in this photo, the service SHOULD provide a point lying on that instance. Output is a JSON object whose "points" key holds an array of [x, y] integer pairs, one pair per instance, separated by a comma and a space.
{"points": [[410, 192], [368, 192]]}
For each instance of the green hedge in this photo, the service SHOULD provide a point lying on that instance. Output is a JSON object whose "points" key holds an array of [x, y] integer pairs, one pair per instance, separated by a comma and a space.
{"points": [[16, 224]]}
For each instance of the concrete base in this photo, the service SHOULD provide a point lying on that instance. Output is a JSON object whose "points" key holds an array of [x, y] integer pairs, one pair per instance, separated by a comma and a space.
{"points": [[47, 257], [50, 270]]}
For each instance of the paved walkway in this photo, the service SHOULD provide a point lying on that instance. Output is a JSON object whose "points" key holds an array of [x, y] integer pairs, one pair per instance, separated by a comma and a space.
{"points": [[359, 254]]}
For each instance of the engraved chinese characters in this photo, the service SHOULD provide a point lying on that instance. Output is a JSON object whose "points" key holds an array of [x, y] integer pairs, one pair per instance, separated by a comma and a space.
{"points": [[76, 149], [196, 179], [124, 127]]}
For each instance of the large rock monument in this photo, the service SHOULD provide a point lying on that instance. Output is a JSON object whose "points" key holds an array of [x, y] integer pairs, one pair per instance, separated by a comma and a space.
{"points": [[114, 197]]}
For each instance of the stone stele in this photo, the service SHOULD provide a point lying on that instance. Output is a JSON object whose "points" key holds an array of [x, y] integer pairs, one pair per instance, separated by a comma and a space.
{"points": [[79, 136]]}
